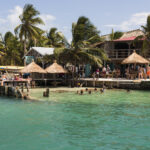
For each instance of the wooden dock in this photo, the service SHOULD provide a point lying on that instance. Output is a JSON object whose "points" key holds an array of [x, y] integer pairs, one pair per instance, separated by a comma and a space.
{"points": [[115, 83]]}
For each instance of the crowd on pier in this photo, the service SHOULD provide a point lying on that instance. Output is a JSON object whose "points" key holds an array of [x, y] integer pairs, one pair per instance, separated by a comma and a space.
{"points": [[129, 72]]}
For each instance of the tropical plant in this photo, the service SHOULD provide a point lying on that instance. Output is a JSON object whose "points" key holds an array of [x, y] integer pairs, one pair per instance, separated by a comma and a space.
{"points": [[28, 29], [146, 38], [80, 50], [115, 35], [13, 54], [56, 39], [2, 46]]}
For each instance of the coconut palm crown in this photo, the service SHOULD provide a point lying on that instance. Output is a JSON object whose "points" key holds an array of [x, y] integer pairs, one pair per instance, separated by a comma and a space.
{"points": [[80, 51], [28, 29]]}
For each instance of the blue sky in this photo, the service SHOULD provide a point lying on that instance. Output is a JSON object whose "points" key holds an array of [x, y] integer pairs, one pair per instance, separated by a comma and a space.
{"points": [[121, 15]]}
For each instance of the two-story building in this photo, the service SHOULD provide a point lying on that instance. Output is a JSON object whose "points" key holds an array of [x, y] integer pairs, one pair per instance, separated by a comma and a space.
{"points": [[118, 50]]}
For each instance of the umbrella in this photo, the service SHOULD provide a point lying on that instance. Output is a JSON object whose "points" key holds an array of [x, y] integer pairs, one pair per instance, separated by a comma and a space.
{"points": [[55, 69], [134, 58], [33, 68]]}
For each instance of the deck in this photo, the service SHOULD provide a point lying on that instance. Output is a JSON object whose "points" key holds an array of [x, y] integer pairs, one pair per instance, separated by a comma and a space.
{"points": [[116, 83]]}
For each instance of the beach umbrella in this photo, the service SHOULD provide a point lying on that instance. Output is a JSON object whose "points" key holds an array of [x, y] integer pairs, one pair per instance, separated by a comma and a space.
{"points": [[32, 68], [134, 58], [55, 69]]}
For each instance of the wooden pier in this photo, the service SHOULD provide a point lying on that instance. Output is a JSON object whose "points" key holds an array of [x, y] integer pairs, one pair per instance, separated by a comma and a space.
{"points": [[139, 84]]}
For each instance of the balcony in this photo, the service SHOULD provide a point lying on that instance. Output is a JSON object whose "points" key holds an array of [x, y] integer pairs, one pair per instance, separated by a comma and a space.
{"points": [[120, 54]]}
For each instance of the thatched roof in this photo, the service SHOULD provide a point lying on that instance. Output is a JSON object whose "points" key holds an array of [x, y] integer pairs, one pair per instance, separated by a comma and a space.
{"points": [[55, 68], [126, 35], [33, 68], [134, 58], [132, 33]]}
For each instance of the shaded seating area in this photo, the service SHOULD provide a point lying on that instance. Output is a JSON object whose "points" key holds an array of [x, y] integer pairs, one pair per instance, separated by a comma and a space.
{"points": [[54, 70], [135, 60], [34, 71]]}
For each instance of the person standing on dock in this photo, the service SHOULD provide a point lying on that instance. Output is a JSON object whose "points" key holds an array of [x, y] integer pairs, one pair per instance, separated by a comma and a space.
{"points": [[97, 73], [140, 73], [148, 71], [108, 69]]}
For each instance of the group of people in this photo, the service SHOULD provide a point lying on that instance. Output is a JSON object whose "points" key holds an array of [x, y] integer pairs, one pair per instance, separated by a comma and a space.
{"points": [[15, 77], [142, 72], [101, 71], [89, 91], [106, 72]]}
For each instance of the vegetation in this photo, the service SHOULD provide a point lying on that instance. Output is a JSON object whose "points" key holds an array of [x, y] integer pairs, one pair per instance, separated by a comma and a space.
{"points": [[146, 43], [115, 35], [13, 47], [28, 34], [28, 29], [84, 34]]}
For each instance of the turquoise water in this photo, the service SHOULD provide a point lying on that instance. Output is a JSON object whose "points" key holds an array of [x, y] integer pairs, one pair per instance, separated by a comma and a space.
{"points": [[115, 120]]}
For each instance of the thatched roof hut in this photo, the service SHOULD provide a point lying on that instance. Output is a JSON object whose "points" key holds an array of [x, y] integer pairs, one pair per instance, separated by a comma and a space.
{"points": [[33, 68], [134, 58], [55, 69]]}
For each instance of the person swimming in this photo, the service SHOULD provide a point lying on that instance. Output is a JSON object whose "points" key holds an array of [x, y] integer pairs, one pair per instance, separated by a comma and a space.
{"points": [[95, 89], [128, 90], [102, 90], [86, 89], [90, 91], [81, 92]]}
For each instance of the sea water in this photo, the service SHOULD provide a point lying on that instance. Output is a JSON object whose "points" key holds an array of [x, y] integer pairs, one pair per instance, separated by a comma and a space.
{"points": [[114, 120]]}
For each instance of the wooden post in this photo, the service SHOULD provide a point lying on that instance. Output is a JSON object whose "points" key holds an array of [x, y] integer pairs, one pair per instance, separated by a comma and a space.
{"points": [[22, 87], [86, 83], [54, 77]]}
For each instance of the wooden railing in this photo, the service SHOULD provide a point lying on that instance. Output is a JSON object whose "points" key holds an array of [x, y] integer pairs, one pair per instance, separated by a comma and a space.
{"points": [[120, 53]]}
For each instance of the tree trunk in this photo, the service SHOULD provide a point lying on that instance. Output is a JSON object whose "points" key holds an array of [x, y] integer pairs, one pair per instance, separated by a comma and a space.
{"points": [[25, 50]]}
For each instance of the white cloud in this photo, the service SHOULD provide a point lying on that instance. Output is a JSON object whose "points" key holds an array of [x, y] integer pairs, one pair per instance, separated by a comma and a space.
{"points": [[9, 22], [48, 21], [13, 16], [135, 21]]}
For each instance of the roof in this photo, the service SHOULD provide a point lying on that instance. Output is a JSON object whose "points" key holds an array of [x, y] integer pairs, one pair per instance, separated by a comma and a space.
{"points": [[127, 36], [132, 33], [126, 39], [33, 68], [11, 67], [55, 68], [42, 50], [134, 58]]}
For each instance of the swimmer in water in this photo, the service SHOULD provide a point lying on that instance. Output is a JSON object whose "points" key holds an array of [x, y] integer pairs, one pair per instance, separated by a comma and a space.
{"points": [[102, 90], [81, 92], [90, 92], [95, 89], [128, 90]]}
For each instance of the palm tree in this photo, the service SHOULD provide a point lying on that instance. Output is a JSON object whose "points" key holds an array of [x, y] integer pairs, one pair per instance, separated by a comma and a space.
{"points": [[2, 46], [56, 39], [13, 53], [146, 42], [115, 35], [146, 38], [28, 29], [84, 34], [80, 51]]}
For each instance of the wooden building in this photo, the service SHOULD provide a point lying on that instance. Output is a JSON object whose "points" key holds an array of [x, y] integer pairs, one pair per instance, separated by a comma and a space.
{"points": [[38, 53], [121, 48]]}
